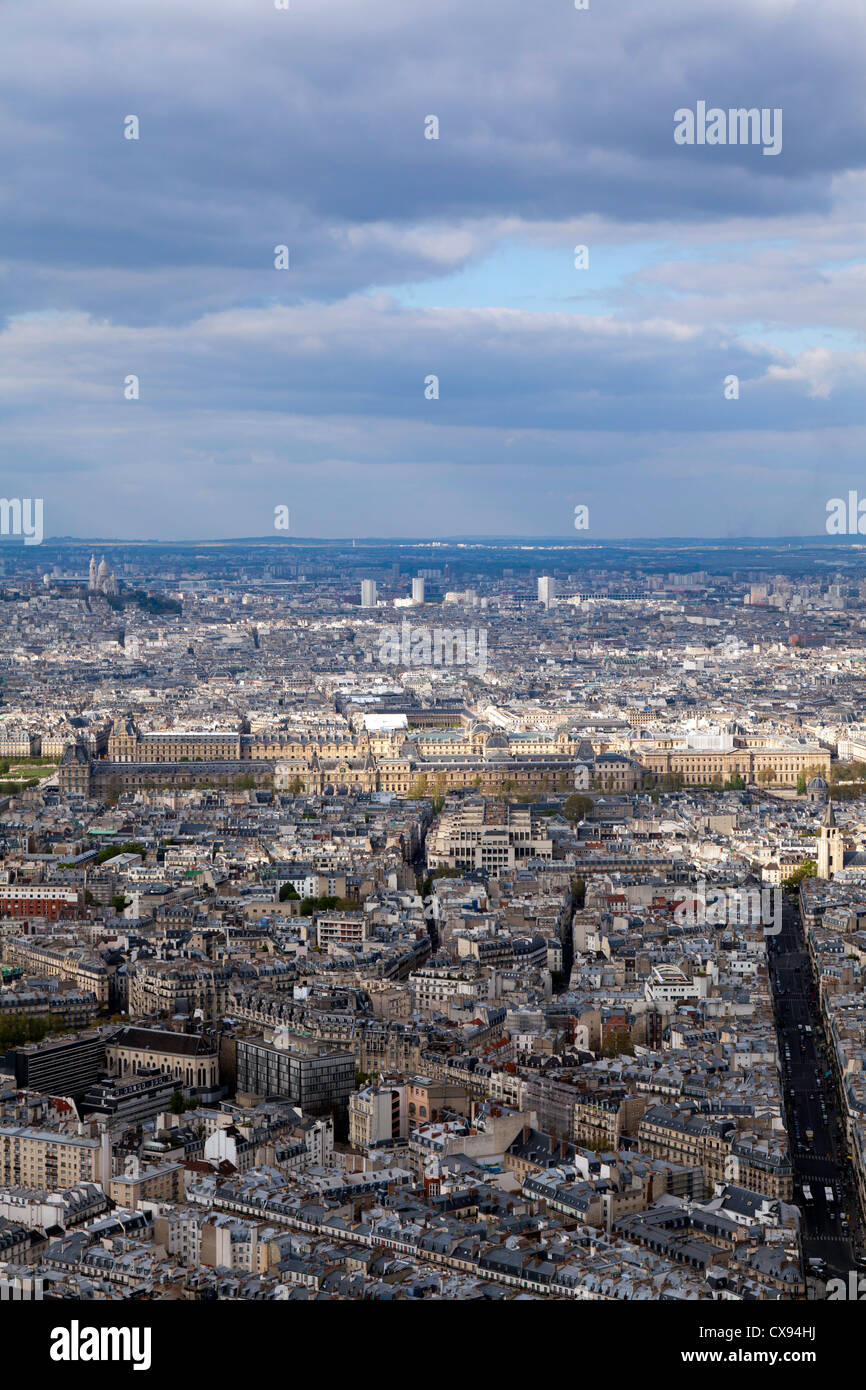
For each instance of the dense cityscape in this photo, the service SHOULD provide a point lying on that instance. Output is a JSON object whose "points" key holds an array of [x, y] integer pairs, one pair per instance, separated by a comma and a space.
{"points": [[432, 680], [341, 963]]}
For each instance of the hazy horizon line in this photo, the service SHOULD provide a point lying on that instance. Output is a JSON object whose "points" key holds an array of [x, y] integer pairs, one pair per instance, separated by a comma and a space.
{"points": [[563, 542]]}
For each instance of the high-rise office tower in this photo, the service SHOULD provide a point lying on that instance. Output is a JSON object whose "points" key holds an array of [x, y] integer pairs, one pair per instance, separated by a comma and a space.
{"points": [[418, 590], [368, 593], [547, 591]]}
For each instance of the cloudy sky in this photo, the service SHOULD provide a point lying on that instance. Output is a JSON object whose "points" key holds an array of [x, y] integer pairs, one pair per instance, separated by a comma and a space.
{"points": [[412, 257]]}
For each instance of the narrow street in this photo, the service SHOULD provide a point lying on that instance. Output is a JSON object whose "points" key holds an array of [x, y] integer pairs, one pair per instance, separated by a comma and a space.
{"points": [[810, 1099]]}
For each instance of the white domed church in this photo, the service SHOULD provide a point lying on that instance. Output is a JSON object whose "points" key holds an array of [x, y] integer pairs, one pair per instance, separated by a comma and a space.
{"points": [[101, 580]]}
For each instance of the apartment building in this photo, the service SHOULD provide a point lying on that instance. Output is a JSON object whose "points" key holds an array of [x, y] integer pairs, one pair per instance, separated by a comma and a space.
{"points": [[40, 900], [435, 988], [485, 1142], [82, 966], [724, 1153], [178, 1231], [430, 1098], [601, 1118], [378, 1115], [341, 929], [158, 987], [229, 1242], [146, 1182], [45, 1158], [19, 745], [76, 1007]]}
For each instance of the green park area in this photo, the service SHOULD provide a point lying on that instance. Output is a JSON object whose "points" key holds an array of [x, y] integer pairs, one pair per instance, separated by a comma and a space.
{"points": [[16, 774]]}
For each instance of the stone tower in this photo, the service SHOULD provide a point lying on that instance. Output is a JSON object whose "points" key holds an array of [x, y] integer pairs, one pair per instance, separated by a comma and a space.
{"points": [[830, 849]]}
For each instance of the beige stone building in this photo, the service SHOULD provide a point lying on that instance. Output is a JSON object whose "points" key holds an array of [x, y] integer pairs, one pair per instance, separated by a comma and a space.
{"points": [[159, 988], [189, 1057], [602, 1118], [147, 1182], [76, 963], [378, 1115], [724, 1153], [699, 766], [470, 755], [45, 1158]]}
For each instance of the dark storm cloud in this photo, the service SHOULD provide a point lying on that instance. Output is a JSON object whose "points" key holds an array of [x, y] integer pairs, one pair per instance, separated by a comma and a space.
{"points": [[258, 387], [261, 127]]}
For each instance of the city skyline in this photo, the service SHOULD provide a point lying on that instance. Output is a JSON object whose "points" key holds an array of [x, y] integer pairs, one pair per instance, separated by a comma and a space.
{"points": [[393, 885]]}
